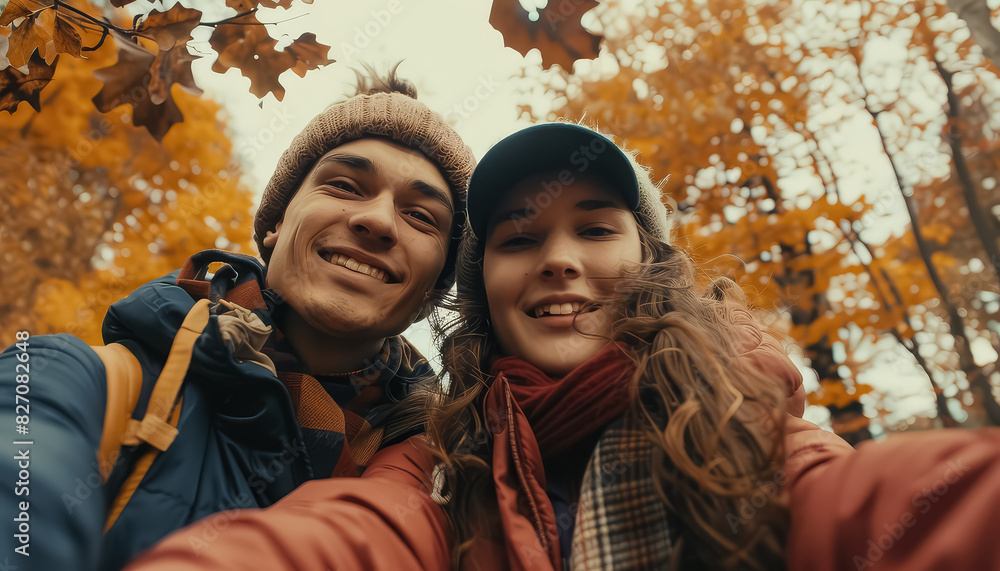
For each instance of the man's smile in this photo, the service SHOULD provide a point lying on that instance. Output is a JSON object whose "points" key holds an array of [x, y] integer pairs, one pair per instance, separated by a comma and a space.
{"points": [[367, 267]]}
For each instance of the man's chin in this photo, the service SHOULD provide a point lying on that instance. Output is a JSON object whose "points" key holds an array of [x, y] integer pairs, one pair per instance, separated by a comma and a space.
{"points": [[353, 315]]}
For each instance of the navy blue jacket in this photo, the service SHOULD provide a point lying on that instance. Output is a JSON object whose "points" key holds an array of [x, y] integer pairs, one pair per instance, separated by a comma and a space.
{"points": [[238, 445]]}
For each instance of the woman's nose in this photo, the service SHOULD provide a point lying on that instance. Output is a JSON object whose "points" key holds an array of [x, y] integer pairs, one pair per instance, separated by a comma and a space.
{"points": [[560, 260]]}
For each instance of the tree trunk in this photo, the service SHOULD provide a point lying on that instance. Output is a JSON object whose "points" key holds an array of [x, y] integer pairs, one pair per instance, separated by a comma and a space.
{"points": [[976, 14], [984, 229], [978, 382]]}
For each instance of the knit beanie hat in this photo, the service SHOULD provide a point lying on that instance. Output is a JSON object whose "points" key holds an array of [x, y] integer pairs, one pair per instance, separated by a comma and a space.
{"points": [[395, 116]]}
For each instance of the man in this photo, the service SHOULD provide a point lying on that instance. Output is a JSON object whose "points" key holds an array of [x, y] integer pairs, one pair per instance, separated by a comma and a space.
{"points": [[227, 384]]}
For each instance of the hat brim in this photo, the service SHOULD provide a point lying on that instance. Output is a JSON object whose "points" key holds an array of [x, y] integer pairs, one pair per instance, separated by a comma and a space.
{"points": [[569, 150]]}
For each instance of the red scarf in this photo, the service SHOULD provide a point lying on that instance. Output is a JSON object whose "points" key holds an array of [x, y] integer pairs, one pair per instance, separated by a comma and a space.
{"points": [[532, 415]]}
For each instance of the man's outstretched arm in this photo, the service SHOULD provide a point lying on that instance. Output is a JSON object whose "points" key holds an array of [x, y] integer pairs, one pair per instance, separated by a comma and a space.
{"points": [[52, 404]]}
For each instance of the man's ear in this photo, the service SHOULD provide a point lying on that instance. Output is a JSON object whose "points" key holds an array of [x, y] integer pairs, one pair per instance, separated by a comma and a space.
{"points": [[271, 237]]}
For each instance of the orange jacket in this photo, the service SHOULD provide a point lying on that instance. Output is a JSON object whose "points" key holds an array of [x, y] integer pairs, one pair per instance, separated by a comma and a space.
{"points": [[912, 502]]}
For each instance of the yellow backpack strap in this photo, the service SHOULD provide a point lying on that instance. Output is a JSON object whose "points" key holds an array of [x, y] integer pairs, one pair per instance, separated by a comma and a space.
{"points": [[124, 382], [154, 427], [131, 484]]}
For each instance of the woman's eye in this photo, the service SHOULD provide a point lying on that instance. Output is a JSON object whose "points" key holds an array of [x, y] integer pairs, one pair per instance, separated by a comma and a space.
{"points": [[598, 231], [517, 242]]}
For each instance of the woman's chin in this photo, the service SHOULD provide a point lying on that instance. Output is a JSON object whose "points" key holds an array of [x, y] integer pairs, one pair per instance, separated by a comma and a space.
{"points": [[557, 359]]}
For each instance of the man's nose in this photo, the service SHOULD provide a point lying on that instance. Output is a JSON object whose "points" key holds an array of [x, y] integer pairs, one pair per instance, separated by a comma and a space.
{"points": [[375, 220]]}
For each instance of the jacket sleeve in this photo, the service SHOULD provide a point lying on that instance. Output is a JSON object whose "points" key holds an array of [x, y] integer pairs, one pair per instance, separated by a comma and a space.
{"points": [[53, 505], [383, 520], [913, 501]]}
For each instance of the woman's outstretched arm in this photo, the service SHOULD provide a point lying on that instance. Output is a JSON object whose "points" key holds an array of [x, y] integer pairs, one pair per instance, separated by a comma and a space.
{"points": [[913, 501]]}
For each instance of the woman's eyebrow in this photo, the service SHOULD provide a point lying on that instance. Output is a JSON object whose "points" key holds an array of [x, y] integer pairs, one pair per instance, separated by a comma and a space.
{"points": [[511, 215], [588, 205]]}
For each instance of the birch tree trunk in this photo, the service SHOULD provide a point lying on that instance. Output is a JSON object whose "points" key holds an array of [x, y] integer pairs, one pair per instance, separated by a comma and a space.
{"points": [[976, 14]]}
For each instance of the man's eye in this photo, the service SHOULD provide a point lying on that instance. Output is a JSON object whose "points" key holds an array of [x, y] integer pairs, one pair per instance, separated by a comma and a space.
{"points": [[421, 216], [344, 185]]}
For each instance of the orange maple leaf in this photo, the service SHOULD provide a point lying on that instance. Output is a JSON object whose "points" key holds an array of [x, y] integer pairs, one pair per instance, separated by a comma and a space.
{"points": [[67, 39], [308, 53], [245, 44], [24, 40], [557, 33]]}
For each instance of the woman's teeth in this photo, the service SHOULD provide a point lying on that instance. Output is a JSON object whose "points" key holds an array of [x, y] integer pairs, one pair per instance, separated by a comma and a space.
{"points": [[354, 265], [557, 309]]}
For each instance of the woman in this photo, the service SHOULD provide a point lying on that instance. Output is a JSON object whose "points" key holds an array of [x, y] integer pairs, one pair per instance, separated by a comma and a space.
{"points": [[603, 410], [582, 315]]}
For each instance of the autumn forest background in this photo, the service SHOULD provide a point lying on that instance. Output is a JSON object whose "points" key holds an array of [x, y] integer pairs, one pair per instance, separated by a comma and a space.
{"points": [[839, 159]]}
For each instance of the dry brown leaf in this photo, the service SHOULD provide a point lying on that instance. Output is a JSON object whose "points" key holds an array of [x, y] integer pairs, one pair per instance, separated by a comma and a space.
{"points": [[245, 44], [67, 39], [16, 9], [276, 3], [23, 41], [557, 33], [308, 53], [131, 81], [123, 82], [241, 5], [170, 67], [157, 119], [16, 87], [170, 28], [244, 5]]}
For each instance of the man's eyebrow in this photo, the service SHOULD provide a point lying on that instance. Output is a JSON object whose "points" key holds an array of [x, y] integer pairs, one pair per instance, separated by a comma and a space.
{"points": [[431, 191], [351, 161], [365, 164]]}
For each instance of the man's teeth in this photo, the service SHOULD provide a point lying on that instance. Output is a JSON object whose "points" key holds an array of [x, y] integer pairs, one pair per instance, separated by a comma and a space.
{"points": [[557, 309], [352, 264]]}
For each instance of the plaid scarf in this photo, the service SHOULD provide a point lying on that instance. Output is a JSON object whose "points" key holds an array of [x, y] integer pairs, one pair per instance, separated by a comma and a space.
{"points": [[620, 521], [533, 416], [338, 414]]}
